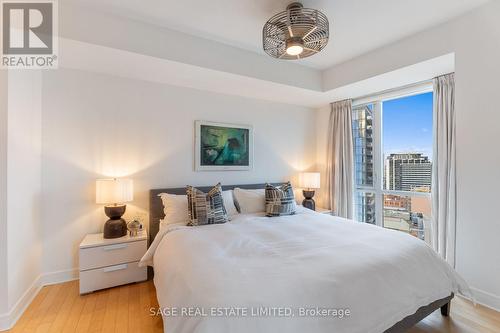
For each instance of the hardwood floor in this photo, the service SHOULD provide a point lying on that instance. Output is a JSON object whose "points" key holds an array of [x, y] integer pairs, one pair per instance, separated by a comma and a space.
{"points": [[464, 318], [59, 308]]}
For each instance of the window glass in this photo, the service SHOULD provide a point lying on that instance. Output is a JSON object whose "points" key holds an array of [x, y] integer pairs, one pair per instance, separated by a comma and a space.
{"points": [[392, 142], [407, 143], [362, 124]]}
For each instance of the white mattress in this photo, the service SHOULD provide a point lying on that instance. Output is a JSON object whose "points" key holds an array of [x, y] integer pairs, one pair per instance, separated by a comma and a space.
{"points": [[285, 265]]}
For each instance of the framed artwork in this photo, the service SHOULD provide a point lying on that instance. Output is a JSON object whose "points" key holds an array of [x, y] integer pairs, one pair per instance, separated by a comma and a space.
{"points": [[220, 146]]}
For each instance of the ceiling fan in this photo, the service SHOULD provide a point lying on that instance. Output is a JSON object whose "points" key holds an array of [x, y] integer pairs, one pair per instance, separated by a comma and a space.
{"points": [[295, 33]]}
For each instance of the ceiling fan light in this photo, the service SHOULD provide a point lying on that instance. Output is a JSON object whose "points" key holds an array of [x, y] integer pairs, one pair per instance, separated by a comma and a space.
{"points": [[294, 46], [294, 50]]}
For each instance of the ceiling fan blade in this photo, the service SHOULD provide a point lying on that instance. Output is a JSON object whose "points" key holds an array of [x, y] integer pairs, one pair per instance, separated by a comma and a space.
{"points": [[277, 43], [289, 23], [314, 40], [310, 32], [272, 49], [312, 50]]}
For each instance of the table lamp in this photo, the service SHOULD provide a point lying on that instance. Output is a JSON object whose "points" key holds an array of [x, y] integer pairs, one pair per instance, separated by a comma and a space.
{"points": [[113, 193], [309, 181]]}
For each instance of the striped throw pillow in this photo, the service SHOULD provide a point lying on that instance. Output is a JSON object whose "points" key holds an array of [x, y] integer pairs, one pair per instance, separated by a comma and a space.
{"points": [[280, 200], [206, 208]]}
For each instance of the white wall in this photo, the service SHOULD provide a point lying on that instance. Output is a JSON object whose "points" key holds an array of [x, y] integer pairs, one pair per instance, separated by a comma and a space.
{"points": [[24, 182], [20, 191], [478, 157], [97, 125], [3, 193], [475, 39]]}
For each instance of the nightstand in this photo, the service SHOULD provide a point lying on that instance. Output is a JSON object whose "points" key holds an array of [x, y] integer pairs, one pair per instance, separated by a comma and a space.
{"points": [[106, 263], [323, 210]]}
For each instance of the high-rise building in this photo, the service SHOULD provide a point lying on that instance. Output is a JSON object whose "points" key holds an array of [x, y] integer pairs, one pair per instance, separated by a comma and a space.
{"points": [[363, 145], [365, 207], [408, 172], [362, 130]]}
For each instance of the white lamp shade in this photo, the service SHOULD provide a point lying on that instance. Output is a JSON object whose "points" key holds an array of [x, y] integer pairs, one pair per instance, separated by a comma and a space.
{"points": [[309, 180], [114, 191]]}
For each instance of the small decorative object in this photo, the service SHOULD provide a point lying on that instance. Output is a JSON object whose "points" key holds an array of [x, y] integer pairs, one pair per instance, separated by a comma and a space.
{"points": [[221, 146], [114, 193], [134, 227], [309, 181], [296, 33]]}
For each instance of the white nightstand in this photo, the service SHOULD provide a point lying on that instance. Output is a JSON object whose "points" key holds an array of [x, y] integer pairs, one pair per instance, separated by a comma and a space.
{"points": [[323, 210], [106, 263]]}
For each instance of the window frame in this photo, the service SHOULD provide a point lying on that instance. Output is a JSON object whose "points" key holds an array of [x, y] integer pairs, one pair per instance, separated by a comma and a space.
{"points": [[378, 160]]}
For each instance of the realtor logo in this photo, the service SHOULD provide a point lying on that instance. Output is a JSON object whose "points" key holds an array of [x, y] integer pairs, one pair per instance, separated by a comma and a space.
{"points": [[28, 34]]}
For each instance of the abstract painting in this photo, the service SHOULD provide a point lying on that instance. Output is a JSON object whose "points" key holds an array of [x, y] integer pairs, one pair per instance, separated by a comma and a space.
{"points": [[222, 146]]}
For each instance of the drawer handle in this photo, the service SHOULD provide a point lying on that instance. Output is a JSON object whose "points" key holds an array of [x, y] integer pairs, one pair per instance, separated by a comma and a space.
{"points": [[114, 268], [114, 247]]}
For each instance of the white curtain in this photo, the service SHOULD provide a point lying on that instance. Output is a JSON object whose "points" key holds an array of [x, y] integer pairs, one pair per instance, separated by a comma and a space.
{"points": [[443, 225], [339, 172]]}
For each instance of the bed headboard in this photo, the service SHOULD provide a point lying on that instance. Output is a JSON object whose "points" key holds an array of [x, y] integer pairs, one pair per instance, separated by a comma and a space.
{"points": [[156, 206]]}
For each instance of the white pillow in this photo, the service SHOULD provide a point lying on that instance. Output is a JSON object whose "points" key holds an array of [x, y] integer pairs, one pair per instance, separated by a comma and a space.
{"points": [[250, 201], [175, 208], [227, 196]]}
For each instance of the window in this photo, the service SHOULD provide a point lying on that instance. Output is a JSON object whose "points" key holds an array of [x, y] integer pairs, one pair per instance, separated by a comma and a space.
{"points": [[393, 161]]}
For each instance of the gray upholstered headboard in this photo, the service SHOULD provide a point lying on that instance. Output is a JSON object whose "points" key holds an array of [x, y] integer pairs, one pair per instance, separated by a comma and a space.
{"points": [[156, 206]]}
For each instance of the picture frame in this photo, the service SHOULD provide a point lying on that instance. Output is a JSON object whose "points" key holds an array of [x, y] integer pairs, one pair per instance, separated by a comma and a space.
{"points": [[223, 146]]}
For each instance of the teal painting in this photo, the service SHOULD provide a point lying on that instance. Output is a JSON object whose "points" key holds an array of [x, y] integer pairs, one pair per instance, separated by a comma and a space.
{"points": [[224, 146]]}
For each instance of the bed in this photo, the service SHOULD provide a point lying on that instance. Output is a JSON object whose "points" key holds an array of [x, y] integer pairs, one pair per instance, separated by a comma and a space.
{"points": [[299, 273]]}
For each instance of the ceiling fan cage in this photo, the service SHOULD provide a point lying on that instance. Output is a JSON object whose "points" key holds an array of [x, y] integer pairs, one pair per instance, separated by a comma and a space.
{"points": [[309, 25]]}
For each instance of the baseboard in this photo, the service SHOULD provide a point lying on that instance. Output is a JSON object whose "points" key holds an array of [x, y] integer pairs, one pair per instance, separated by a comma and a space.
{"points": [[47, 279], [8, 319], [487, 299]]}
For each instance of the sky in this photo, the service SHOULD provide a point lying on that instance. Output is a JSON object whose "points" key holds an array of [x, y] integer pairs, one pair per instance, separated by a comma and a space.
{"points": [[407, 125]]}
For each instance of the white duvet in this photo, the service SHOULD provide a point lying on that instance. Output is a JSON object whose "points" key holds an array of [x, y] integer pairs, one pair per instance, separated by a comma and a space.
{"points": [[260, 274]]}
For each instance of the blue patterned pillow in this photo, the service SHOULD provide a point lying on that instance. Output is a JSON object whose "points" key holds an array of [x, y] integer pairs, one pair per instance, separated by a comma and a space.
{"points": [[280, 200], [206, 208]]}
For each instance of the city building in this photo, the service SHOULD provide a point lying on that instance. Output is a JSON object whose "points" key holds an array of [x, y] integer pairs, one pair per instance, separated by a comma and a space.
{"points": [[408, 172], [397, 202], [363, 145]]}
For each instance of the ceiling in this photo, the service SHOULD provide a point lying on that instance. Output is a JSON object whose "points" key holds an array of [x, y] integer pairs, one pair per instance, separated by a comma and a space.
{"points": [[356, 26]]}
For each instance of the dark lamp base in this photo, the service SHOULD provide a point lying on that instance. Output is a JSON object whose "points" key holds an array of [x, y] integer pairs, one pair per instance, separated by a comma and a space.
{"points": [[115, 212], [115, 227], [308, 201]]}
